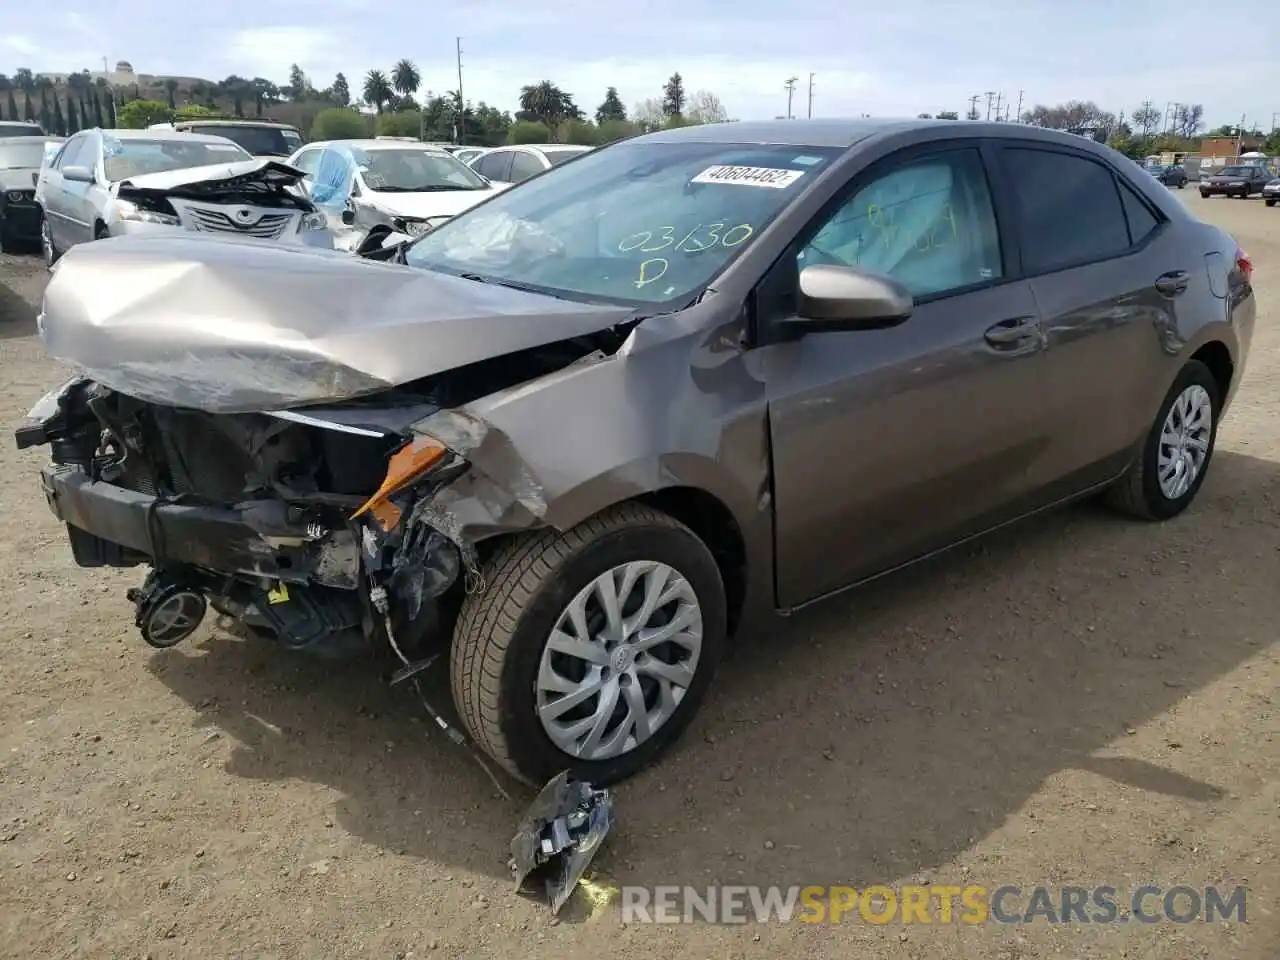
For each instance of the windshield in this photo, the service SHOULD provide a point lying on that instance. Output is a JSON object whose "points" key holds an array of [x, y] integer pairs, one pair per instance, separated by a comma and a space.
{"points": [[16, 155], [20, 130], [639, 222], [259, 141], [557, 157], [1234, 172], [134, 158], [414, 171]]}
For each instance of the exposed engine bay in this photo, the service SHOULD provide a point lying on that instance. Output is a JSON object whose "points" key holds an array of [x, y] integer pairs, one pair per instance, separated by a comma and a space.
{"points": [[313, 527], [274, 185]]}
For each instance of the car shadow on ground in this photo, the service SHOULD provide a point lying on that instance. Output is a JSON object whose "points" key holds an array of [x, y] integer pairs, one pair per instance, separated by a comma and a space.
{"points": [[876, 738], [17, 315]]}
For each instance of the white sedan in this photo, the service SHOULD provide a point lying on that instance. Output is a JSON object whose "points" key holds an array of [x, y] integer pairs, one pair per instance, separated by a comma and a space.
{"points": [[511, 165]]}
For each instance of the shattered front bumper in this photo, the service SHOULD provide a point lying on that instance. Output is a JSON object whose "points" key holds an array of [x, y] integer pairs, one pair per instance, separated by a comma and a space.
{"points": [[109, 525]]}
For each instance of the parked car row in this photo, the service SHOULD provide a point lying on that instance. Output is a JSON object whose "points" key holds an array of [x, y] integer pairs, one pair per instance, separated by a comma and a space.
{"points": [[535, 438]]}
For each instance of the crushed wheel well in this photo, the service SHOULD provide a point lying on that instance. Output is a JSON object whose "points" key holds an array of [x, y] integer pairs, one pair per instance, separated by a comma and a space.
{"points": [[714, 525], [1217, 358]]}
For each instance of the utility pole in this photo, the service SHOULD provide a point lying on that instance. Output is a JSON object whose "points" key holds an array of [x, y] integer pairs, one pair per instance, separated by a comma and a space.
{"points": [[1019, 120], [989, 94], [973, 107], [791, 89], [999, 97], [460, 135], [811, 97], [1240, 136], [1273, 120]]}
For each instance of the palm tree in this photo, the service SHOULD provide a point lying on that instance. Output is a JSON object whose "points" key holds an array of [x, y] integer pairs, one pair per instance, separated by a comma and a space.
{"points": [[376, 89], [237, 88], [546, 102], [405, 78]]}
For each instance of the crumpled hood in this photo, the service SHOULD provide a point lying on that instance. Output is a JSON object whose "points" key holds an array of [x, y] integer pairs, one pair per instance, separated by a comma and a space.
{"points": [[444, 203], [231, 327], [271, 170]]}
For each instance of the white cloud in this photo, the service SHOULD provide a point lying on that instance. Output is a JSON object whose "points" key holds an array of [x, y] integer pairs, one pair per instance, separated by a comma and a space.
{"points": [[268, 51], [19, 44]]}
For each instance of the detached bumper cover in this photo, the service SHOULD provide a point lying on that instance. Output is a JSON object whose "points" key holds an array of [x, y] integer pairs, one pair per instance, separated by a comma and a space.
{"points": [[171, 531]]}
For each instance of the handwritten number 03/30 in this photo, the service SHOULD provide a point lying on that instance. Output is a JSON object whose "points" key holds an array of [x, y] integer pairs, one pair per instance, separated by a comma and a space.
{"points": [[649, 241]]}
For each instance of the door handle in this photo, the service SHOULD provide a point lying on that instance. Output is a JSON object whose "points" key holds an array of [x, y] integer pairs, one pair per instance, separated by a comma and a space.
{"points": [[1009, 332], [1173, 283]]}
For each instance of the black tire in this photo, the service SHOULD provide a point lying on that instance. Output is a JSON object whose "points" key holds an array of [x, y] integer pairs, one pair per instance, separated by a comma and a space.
{"points": [[501, 632], [1182, 184], [1138, 492], [1204, 194], [1269, 202], [100, 232], [48, 250], [7, 243]]}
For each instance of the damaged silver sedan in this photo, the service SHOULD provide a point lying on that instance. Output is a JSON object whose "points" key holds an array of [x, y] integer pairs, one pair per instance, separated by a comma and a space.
{"points": [[589, 429]]}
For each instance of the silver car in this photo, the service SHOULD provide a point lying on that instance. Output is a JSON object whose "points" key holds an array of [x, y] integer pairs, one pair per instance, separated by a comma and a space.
{"points": [[512, 165], [106, 183]]}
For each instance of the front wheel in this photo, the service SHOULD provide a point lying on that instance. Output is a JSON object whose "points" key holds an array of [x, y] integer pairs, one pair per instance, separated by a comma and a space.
{"points": [[1270, 202], [1204, 194], [50, 252], [589, 650], [1173, 462]]}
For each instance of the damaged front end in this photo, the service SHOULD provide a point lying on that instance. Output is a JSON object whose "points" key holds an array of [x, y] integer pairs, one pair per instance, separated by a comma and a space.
{"points": [[285, 522]]}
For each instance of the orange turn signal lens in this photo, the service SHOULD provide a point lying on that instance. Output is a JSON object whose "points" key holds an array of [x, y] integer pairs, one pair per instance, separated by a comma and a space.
{"points": [[406, 465]]}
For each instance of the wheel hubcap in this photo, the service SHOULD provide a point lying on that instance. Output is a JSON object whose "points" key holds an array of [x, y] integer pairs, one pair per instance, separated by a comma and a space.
{"points": [[620, 659], [1184, 441]]}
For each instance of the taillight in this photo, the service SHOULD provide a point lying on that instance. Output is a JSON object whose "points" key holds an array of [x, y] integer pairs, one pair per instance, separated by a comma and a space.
{"points": [[1245, 264]]}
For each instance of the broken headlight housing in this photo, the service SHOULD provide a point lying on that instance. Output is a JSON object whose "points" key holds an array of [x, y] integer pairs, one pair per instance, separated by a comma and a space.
{"points": [[417, 228], [128, 210], [312, 221]]}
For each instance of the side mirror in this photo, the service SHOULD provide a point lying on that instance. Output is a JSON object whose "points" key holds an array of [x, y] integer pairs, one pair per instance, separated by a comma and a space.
{"points": [[77, 174], [837, 298], [348, 216]]}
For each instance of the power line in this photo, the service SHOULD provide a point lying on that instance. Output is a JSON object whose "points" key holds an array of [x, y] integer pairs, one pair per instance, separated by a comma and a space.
{"points": [[791, 89]]}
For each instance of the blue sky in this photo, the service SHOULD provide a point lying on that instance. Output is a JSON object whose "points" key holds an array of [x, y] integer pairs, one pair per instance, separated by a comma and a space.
{"points": [[888, 58]]}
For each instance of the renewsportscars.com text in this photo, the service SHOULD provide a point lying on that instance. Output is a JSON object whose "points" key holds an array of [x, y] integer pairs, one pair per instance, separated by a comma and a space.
{"points": [[934, 904]]}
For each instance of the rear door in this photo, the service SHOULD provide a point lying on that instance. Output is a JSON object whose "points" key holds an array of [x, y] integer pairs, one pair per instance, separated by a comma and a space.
{"points": [[1108, 277], [55, 200]]}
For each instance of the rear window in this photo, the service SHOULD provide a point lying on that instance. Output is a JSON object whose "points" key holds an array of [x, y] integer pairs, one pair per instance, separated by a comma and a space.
{"points": [[259, 141], [20, 130], [1234, 172], [557, 157]]}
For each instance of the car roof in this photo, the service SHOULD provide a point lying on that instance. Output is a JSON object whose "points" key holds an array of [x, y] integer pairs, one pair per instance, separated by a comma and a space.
{"points": [[847, 132], [234, 121], [369, 143], [555, 147], [176, 136]]}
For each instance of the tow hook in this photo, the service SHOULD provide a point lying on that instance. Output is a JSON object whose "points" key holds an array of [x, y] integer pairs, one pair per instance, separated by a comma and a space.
{"points": [[168, 609]]}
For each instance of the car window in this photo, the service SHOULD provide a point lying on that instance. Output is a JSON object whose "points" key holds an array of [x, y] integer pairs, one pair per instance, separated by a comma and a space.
{"points": [[557, 157], [929, 224], [495, 165], [308, 161], [136, 157], [1141, 220], [1069, 209], [70, 155], [524, 166]]}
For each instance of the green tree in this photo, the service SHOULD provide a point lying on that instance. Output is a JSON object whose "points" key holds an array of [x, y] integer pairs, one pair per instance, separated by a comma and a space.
{"points": [[99, 119], [545, 103], [705, 107], [237, 88], [491, 125], [60, 121], [134, 115], [73, 118], [13, 106], [673, 96], [29, 114], [197, 111], [612, 130], [171, 88], [400, 123], [340, 92], [529, 131], [611, 108], [297, 82], [46, 115], [405, 78], [263, 90], [377, 90], [582, 132], [948, 115], [339, 123]]}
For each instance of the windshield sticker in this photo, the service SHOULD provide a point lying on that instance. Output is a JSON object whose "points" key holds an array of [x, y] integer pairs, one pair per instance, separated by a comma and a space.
{"points": [[775, 177], [806, 161]]}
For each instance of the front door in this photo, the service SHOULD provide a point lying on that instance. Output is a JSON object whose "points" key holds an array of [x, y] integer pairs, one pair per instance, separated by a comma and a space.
{"points": [[888, 444]]}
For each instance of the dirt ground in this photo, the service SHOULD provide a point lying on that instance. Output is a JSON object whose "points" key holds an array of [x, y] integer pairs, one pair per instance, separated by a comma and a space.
{"points": [[1083, 700]]}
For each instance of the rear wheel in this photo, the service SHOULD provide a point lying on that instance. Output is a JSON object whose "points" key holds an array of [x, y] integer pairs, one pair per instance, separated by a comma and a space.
{"points": [[51, 253], [1173, 462], [589, 650], [1270, 202]]}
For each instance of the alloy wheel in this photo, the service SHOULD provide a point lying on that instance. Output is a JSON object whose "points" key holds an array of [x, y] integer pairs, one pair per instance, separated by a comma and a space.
{"points": [[621, 657], [1184, 441]]}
